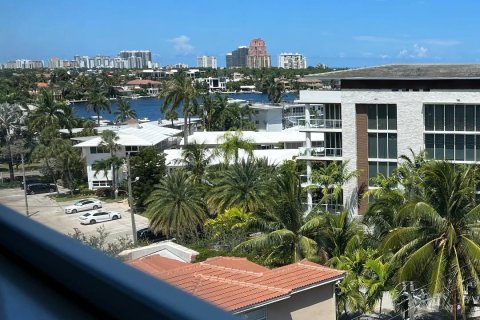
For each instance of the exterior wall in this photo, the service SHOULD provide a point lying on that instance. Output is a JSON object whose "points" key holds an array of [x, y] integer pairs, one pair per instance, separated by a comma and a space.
{"points": [[91, 158], [362, 154], [317, 303], [410, 119], [268, 120]]}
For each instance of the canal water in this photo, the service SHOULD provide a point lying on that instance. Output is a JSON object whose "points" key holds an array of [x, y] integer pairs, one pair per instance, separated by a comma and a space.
{"points": [[150, 107]]}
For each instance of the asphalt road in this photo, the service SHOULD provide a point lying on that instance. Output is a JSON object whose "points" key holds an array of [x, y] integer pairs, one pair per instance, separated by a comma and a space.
{"points": [[51, 214]]}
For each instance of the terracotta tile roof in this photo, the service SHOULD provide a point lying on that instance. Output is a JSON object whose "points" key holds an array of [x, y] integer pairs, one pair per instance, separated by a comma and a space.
{"points": [[141, 82], [42, 85], [236, 283]]}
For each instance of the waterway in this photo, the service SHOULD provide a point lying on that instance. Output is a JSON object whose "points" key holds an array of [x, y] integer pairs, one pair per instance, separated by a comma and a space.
{"points": [[150, 107]]}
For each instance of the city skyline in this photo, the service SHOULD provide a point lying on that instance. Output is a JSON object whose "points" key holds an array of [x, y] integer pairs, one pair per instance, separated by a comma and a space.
{"points": [[354, 34]]}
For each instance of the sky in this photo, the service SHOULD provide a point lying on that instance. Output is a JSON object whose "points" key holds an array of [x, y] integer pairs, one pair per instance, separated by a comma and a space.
{"points": [[341, 33]]}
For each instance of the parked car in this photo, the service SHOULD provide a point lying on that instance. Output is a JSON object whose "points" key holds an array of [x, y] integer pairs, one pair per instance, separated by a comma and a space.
{"points": [[146, 234], [40, 188], [93, 217], [84, 205], [30, 180]]}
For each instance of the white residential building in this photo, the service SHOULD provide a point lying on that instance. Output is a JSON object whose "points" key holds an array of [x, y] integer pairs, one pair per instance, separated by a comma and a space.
{"points": [[207, 62], [380, 113], [292, 61], [131, 139]]}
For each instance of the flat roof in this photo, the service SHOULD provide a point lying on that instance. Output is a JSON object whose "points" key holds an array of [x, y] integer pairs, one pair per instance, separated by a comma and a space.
{"points": [[404, 72]]}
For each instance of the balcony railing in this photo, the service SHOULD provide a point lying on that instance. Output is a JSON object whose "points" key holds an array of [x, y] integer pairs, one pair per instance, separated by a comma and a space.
{"points": [[327, 207], [320, 152], [314, 123]]}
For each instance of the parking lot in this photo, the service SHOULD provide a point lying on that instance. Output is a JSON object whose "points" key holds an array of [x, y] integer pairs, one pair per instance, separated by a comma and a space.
{"points": [[51, 214]]}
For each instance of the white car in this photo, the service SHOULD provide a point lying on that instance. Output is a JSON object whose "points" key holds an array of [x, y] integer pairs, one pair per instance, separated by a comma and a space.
{"points": [[93, 217], [84, 205]]}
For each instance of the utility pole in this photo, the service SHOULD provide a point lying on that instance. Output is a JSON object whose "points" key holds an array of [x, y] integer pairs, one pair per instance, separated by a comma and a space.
{"points": [[130, 201], [24, 185]]}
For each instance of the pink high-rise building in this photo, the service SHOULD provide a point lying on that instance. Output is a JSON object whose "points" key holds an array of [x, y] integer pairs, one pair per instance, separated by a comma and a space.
{"points": [[257, 55]]}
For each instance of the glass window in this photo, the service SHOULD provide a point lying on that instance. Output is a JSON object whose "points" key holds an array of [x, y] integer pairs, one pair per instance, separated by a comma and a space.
{"points": [[392, 117], [470, 148], [392, 145], [383, 168], [439, 146], [429, 117], [429, 145], [391, 167], [382, 145], [439, 118], [459, 147], [449, 117], [477, 149], [382, 117], [372, 145], [459, 118], [372, 172], [470, 118], [477, 117], [372, 117], [449, 147]]}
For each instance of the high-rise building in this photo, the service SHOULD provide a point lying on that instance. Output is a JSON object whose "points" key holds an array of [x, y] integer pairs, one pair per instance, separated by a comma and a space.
{"points": [[207, 62], [24, 64], [292, 61], [55, 63], [144, 55], [257, 55], [237, 58]]}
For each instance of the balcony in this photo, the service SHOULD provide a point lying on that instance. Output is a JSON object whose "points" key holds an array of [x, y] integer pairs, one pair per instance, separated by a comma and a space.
{"points": [[315, 124], [325, 207], [319, 153]]}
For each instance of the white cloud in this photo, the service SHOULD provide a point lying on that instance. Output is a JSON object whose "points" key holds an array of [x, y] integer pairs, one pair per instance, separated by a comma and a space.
{"points": [[441, 42], [384, 56], [416, 52], [182, 44]]}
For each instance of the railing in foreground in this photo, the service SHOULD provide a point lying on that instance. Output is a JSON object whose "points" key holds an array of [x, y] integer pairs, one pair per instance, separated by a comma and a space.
{"points": [[50, 276]]}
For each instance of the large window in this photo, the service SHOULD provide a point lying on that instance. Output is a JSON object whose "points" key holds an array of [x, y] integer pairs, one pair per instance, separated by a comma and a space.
{"points": [[452, 117], [382, 145], [382, 117], [98, 149], [380, 167], [458, 147]]}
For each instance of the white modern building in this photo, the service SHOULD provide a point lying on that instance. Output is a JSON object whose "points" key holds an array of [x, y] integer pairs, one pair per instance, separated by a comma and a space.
{"points": [[24, 64], [292, 61], [131, 139], [207, 62], [380, 113]]}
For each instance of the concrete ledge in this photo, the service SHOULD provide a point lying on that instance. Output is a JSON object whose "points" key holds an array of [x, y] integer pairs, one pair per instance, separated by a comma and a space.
{"points": [[166, 249]]}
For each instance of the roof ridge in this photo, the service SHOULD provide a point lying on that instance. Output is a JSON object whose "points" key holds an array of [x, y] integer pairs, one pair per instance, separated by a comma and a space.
{"points": [[242, 283], [233, 269]]}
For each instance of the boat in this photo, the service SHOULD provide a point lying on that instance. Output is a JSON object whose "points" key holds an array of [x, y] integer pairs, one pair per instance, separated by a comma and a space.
{"points": [[143, 120]]}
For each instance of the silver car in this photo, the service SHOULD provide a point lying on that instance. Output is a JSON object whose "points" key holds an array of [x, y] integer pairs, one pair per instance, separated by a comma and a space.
{"points": [[84, 205]]}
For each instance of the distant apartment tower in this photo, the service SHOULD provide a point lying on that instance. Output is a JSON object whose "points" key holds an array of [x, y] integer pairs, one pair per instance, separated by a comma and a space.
{"points": [[144, 61], [24, 64], [257, 55], [292, 61], [237, 58], [207, 62]]}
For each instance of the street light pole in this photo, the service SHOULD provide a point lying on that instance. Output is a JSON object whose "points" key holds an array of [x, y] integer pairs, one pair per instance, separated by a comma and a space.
{"points": [[130, 201], [24, 185]]}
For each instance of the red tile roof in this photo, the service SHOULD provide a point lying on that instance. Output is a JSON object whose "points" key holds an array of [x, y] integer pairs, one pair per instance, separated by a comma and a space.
{"points": [[236, 283], [42, 85], [137, 82]]}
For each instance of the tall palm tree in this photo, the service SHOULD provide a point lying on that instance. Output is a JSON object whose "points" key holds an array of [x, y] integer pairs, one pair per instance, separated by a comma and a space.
{"points": [[208, 110], [246, 185], [179, 91], [274, 90], [196, 158], [176, 205], [98, 103], [231, 143], [110, 143], [171, 115], [50, 114], [10, 120], [438, 243], [124, 111], [377, 279]]}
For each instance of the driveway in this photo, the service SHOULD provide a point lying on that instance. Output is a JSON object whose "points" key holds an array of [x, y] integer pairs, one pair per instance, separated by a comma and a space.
{"points": [[51, 214]]}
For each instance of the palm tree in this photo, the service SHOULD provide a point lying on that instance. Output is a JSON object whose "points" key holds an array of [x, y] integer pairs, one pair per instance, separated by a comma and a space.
{"points": [[113, 163], [378, 278], [247, 185], [10, 121], [51, 114], [176, 205], [196, 158], [208, 110], [124, 111], [109, 142], [171, 115], [179, 91], [274, 90], [98, 103], [231, 143], [437, 243]]}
